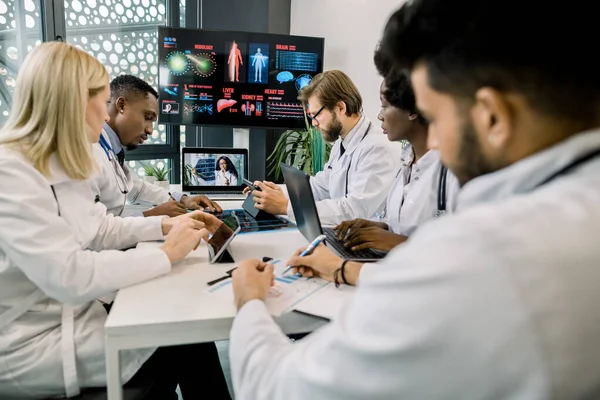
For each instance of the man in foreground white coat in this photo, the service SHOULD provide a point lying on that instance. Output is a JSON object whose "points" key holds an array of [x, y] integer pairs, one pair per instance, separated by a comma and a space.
{"points": [[498, 301]]}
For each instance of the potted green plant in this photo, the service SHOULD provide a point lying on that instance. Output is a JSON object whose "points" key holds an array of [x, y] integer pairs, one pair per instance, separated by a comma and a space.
{"points": [[161, 174], [149, 171], [304, 149]]}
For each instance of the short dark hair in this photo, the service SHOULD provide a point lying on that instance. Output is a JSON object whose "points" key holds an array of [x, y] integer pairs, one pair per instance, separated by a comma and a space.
{"points": [[383, 62], [399, 93], [510, 46], [129, 86], [398, 89]]}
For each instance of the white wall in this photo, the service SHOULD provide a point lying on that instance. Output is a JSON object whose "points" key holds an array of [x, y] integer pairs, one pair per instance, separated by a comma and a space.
{"points": [[352, 29]]}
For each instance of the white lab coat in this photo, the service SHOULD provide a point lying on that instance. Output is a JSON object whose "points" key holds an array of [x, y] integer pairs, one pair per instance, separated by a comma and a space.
{"points": [[52, 268], [413, 198], [497, 301], [107, 186], [221, 177], [356, 184]]}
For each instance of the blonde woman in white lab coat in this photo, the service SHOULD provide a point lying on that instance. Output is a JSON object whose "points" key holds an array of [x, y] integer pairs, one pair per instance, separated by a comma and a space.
{"points": [[423, 188], [59, 249]]}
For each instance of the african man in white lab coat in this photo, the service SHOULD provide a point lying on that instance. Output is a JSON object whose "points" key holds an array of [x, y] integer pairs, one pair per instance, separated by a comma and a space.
{"points": [[361, 167], [133, 110], [423, 189], [500, 299]]}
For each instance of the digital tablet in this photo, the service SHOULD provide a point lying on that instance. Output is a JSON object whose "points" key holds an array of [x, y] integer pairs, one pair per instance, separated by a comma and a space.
{"points": [[221, 239]]}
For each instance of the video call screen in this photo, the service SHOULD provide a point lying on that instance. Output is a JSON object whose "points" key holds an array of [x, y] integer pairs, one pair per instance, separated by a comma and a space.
{"points": [[234, 78], [213, 169]]}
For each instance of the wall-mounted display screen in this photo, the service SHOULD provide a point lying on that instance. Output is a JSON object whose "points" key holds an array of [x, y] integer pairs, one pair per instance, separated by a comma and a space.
{"points": [[234, 78]]}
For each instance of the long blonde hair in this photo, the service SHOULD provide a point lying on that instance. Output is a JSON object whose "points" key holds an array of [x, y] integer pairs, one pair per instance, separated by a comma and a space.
{"points": [[48, 113]]}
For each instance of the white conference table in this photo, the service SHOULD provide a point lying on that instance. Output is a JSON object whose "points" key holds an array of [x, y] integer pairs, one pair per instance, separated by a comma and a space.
{"points": [[176, 309]]}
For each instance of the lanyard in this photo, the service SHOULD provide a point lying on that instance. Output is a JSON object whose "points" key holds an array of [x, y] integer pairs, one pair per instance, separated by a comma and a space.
{"points": [[106, 147], [120, 177]]}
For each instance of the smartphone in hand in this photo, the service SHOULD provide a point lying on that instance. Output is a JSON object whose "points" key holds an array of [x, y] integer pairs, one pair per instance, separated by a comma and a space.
{"points": [[251, 185]]}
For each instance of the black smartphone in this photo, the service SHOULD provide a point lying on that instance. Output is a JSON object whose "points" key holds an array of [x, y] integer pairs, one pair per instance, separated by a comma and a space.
{"points": [[251, 185]]}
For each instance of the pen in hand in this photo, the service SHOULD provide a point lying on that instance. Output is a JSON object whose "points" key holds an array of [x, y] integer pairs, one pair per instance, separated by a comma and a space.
{"points": [[311, 247]]}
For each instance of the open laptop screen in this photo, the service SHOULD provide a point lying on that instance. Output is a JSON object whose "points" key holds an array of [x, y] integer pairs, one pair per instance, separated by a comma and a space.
{"points": [[303, 201], [214, 169]]}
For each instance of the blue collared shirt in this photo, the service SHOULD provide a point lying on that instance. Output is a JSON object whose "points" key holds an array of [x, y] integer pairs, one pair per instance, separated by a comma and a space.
{"points": [[115, 142]]}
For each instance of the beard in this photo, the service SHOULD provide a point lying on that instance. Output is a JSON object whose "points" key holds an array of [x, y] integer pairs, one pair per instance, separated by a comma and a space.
{"points": [[134, 145], [333, 131], [472, 162]]}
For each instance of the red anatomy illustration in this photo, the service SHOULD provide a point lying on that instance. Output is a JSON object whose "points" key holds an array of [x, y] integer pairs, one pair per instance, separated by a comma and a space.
{"points": [[234, 61]]}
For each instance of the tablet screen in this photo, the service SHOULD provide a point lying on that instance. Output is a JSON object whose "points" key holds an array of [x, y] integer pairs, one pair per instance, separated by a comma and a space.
{"points": [[224, 234]]}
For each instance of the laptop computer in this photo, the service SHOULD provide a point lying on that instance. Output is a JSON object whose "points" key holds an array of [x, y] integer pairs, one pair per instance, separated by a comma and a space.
{"points": [[307, 216], [215, 172]]}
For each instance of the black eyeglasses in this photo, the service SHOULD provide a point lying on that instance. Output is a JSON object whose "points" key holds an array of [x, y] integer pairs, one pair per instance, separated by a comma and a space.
{"points": [[316, 114]]}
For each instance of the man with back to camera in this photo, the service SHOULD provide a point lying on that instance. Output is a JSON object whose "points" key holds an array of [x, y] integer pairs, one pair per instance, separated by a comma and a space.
{"points": [[496, 301], [133, 110], [361, 167]]}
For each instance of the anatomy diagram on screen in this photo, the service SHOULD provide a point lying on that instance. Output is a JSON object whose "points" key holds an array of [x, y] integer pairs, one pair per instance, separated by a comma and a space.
{"points": [[234, 61], [259, 62]]}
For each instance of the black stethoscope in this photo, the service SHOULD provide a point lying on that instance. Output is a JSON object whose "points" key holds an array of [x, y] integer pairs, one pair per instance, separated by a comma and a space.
{"points": [[567, 168], [441, 193], [117, 171], [564, 170], [441, 200], [441, 197]]}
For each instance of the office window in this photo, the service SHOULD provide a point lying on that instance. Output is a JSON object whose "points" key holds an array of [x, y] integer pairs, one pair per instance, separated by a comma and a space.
{"points": [[137, 166], [182, 13], [20, 31], [122, 35]]}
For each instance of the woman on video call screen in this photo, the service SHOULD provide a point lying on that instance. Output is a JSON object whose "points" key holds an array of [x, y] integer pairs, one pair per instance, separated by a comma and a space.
{"points": [[225, 172]]}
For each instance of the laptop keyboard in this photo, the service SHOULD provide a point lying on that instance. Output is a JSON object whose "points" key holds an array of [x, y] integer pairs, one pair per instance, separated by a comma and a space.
{"points": [[249, 224], [227, 192], [344, 252]]}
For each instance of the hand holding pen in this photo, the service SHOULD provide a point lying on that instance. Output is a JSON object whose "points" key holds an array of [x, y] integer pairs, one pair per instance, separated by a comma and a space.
{"points": [[320, 262], [307, 251]]}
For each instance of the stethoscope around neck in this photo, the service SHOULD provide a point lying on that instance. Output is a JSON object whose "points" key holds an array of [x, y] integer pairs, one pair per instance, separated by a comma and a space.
{"points": [[117, 170], [441, 198], [441, 194]]}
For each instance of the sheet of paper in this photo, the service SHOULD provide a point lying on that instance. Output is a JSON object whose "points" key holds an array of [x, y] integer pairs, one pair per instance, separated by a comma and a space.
{"points": [[287, 293], [327, 303]]}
